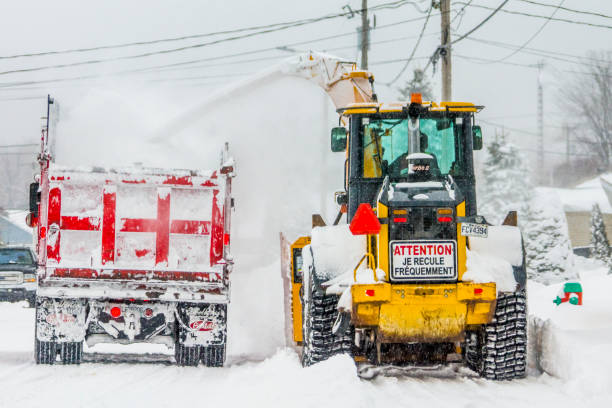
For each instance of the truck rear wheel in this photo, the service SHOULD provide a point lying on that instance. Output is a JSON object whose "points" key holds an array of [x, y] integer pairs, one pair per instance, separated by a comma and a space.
{"points": [[499, 350], [71, 352], [45, 352], [186, 355], [319, 312], [213, 355]]}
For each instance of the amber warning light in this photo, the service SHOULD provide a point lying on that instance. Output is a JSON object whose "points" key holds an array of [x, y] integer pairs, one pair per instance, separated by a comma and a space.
{"points": [[416, 98]]}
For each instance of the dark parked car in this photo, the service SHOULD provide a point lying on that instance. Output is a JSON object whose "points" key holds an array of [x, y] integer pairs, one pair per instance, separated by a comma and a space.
{"points": [[17, 274]]}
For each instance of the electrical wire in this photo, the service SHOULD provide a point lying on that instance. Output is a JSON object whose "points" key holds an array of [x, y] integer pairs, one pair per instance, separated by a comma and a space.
{"points": [[461, 13], [184, 48], [288, 24], [534, 51], [526, 43], [436, 53], [414, 49], [588, 13], [455, 41], [563, 20], [183, 63]]}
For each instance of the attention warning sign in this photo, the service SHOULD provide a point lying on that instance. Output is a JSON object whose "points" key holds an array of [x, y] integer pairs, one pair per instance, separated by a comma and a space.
{"points": [[423, 260]]}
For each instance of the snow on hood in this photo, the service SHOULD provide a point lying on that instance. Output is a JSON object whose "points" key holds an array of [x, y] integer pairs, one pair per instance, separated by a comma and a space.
{"points": [[484, 268]]}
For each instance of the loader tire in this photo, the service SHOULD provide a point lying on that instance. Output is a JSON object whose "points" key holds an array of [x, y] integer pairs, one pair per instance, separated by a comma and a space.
{"points": [[71, 352], [213, 355], [319, 312], [500, 353], [186, 356], [45, 352]]}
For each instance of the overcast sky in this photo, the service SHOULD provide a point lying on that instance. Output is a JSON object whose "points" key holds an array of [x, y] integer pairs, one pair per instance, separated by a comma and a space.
{"points": [[507, 91]]}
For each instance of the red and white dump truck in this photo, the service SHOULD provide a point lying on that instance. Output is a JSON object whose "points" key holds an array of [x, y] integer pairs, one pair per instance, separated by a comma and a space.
{"points": [[132, 255]]}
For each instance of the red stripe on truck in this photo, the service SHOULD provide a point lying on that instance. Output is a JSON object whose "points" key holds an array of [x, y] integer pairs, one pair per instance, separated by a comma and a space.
{"points": [[128, 274], [108, 225], [80, 223], [190, 227], [162, 239], [53, 222], [138, 225]]}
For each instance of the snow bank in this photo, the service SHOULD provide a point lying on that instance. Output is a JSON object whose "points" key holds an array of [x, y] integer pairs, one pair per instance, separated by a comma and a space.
{"points": [[573, 342]]}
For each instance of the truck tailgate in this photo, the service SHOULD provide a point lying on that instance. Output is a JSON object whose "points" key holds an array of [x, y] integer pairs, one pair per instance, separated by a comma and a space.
{"points": [[139, 233]]}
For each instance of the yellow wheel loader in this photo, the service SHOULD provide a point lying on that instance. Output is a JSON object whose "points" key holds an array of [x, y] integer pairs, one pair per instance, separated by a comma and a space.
{"points": [[415, 276]]}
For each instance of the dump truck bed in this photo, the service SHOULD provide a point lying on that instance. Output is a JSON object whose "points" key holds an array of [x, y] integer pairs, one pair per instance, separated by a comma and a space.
{"points": [[134, 233]]}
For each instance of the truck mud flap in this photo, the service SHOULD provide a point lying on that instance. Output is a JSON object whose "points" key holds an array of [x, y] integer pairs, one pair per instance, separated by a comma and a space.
{"points": [[61, 320], [202, 325]]}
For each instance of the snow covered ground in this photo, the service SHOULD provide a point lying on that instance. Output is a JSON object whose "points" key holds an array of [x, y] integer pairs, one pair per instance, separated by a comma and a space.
{"points": [[573, 342]]}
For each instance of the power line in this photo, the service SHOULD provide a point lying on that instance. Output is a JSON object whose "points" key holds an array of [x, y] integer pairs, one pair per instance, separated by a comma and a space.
{"points": [[461, 13], [534, 51], [437, 52], [155, 67], [416, 46], [526, 43], [531, 134], [589, 13], [193, 46], [479, 24], [18, 145], [288, 24], [563, 20]]}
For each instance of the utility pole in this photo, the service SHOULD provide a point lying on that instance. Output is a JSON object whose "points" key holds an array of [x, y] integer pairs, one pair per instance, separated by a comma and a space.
{"points": [[540, 121], [445, 51], [365, 34]]}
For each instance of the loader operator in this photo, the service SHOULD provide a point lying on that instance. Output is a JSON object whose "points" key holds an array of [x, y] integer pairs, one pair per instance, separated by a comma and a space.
{"points": [[422, 168]]}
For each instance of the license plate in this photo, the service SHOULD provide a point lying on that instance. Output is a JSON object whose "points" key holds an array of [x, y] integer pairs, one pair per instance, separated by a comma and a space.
{"points": [[423, 260], [474, 230]]}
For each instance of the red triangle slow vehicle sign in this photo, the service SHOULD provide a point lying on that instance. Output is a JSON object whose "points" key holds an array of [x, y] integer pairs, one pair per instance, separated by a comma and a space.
{"points": [[364, 221]]}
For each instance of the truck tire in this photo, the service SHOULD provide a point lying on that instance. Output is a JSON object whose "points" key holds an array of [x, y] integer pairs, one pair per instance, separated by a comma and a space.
{"points": [[71, 352], [319, 312], [499, 352], [186, 355], [213, 355], [45, 352]]}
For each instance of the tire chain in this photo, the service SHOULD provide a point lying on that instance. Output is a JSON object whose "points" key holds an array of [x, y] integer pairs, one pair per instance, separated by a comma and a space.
{"points": [[505, 347], [322, 343]]}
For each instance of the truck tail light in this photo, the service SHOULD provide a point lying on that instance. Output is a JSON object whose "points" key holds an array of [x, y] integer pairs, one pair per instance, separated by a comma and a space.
{"points": [[478, 291], [400, 219], [115, 312], [445, 219], [369, 292]]}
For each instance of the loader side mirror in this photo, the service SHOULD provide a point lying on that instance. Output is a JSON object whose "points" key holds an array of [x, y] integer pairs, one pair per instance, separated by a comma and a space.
{"points": [[338, 139], [34, 199], [341, 197], [477, 138]]}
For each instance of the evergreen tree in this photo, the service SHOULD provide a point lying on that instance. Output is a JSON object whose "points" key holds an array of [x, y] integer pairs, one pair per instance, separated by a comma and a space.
{"points": [[505, 184], [418, 84], [547, 245], [600, 246]]}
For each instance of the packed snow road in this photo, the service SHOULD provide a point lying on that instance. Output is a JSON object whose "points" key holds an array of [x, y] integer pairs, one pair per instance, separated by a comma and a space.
{"points": [[574, 344]]}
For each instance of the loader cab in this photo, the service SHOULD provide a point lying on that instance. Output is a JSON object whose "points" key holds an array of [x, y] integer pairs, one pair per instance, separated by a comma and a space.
{"points": [[409, 143]]}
